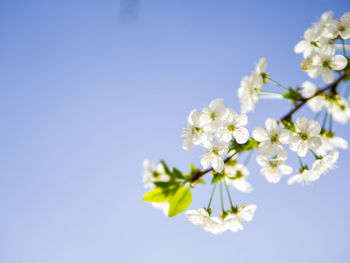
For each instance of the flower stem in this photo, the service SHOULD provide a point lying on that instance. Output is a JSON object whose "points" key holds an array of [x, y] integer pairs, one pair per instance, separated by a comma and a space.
{"points": [[222, 200], [301, 163], [277, 84], [344, 50], [248, 158], [228, 193], [318, 114], [325, 120], [316, 156], [330, 119], [211, 197]]}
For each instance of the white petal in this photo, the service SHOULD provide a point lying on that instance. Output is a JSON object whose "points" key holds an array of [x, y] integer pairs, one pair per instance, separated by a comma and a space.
{"points": [[271, 126], [285, 169], [327, 75], [241, 120], [300, 47], [242, 185], [218, 163], [262, 160], [206, 159], [314, 142], [302, 149], [339, 62], [266, 148], [281, 152], [260, 134], [241, 135], [298, 178], [301, 124], [284, 136]]}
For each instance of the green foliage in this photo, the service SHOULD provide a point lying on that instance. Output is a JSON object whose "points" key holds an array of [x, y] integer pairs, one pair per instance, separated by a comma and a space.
{"points": [[217, 177], [180, 201], [292, 94], [249, 145], [161, 194]]}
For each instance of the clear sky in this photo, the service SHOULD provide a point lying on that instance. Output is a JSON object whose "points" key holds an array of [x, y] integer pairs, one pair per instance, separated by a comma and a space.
{"points": [[88, 89]]}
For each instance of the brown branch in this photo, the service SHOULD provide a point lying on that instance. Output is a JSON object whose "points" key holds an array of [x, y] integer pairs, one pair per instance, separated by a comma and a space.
{"points": [[303, 101]]}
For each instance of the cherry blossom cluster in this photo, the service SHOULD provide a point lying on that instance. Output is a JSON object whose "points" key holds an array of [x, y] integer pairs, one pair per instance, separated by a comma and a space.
{"points": [[222, 133], [214, 129], [318, 46]]}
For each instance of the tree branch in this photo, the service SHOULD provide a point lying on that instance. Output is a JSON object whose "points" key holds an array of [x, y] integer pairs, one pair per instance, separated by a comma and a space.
{"points": [[303, 101]]}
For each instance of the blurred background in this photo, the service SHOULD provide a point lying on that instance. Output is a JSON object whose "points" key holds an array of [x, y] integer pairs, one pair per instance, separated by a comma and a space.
{"points": [[88, 89]]}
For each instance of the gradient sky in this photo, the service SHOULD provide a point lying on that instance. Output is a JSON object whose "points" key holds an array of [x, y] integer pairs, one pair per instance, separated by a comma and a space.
{"points": [[88, 89]]}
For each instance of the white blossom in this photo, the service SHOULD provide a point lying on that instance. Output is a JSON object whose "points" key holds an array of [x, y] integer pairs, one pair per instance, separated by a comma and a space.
{"points": [[234, 221], [326, 163], [273, 168], [235, 127], [305, 176], [192, 132], [324, 61], [215, 154], [339, 27], [271, 138], [307, 136], [153, 172], [260, 70], [212, 117], [340, 110], [239, 174], [313, 39], [201, 217], [250, 86], [330, 143]]}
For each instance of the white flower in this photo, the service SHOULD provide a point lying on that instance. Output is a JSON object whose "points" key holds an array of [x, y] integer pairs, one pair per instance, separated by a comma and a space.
{"points": [[239, 173], [235, 129], [212, 117], [317, 103], [153, 172], [307, 136], [215, 155], [248, 91], [306, 176], [260, 70], [273, 168], [201, 217], [162, 206], [234, 221], [340, 110], [326, 163], [312, 40], [330, 143], [271, 139], [341, 27], [192, 131], [323, 61]]}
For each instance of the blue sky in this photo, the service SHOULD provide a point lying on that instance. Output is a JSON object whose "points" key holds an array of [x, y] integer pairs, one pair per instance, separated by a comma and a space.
{"points": [[88, 89]]}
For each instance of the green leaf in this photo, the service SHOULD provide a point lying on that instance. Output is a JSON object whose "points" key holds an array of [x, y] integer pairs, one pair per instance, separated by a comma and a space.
{"points": [[180, 201], [178, 174], [160, 195], [166, 168], [165, 184], [292, 94]]}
